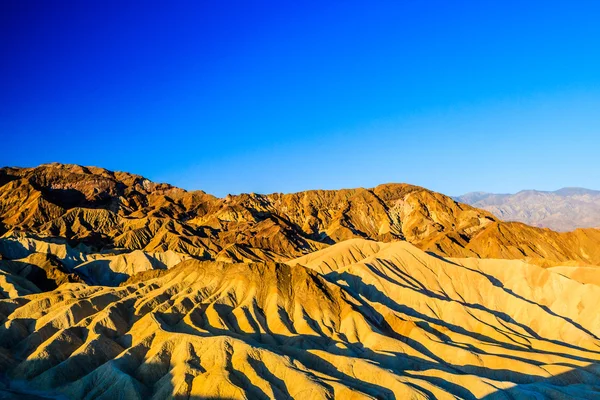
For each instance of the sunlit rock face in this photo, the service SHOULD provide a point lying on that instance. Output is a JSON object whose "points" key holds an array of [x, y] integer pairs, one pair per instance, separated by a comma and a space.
{"points": [[360, 319], [91, 209]]}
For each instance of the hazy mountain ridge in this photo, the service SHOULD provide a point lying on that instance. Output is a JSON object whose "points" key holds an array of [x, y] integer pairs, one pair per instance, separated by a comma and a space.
{"points": [[562, 210]]}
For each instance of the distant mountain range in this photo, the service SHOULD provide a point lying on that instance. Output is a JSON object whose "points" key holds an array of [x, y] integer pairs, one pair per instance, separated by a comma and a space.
{"points": [[565, 209]]}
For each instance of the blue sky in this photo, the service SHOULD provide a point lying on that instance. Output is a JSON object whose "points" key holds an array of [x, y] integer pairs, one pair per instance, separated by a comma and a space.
{"points": [[243, 96]]}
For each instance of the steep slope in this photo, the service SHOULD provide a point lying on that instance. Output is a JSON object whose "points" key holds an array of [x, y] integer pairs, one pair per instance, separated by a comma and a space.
{"points": [[113, 270], [44, 270], [514, 240], [386, 321], [50, 262], [562, 210]]}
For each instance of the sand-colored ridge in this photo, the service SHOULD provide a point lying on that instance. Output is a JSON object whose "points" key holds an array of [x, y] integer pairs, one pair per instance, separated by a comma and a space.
{"points": [[586, 275], [380, 320], [346, 253], [115, 269]]}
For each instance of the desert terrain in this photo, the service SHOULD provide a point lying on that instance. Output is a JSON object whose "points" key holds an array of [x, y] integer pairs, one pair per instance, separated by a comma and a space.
{"points": [[113, 286]]}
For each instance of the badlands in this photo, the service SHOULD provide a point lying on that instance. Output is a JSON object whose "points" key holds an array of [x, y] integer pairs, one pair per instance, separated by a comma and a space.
{"points": [[113, 286]]}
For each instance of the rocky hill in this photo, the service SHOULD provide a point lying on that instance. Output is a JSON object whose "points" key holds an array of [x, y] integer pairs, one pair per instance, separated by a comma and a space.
{"points": [[562, 210], [94, 210], [112, 286]]}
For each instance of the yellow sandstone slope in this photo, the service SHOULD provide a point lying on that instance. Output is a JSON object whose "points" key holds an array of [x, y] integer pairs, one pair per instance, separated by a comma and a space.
{"points": [[360, 319]]}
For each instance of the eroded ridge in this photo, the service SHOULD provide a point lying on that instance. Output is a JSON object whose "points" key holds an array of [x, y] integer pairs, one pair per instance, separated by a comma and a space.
{"points": [[357, 320]]}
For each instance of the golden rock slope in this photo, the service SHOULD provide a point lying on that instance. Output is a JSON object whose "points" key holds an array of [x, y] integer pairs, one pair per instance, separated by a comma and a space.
{"points": [[359, 319], [103, 210]]}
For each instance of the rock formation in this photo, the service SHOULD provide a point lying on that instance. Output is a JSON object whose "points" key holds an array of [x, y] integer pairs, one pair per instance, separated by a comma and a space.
{"points": [[112, 286], [360, 319], [107, 211]]}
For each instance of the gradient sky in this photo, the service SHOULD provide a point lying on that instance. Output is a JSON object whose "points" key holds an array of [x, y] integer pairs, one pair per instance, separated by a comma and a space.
{"points": [[283, 96]]}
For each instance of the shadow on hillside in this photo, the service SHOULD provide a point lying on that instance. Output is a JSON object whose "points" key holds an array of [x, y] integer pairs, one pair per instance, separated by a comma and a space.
{"points": [[118, 361], [71, 198], [497, 283], [299, 348], [568, 384], [374, 295], [11, 249], [99, 272], [44, 279]]}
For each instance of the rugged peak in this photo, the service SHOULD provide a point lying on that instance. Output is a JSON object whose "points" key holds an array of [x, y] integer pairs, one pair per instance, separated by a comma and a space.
{"points": [[109, 209]]}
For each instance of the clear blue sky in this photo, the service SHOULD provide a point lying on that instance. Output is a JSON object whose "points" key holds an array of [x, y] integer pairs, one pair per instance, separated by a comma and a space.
{"points": [[283, 96]]}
